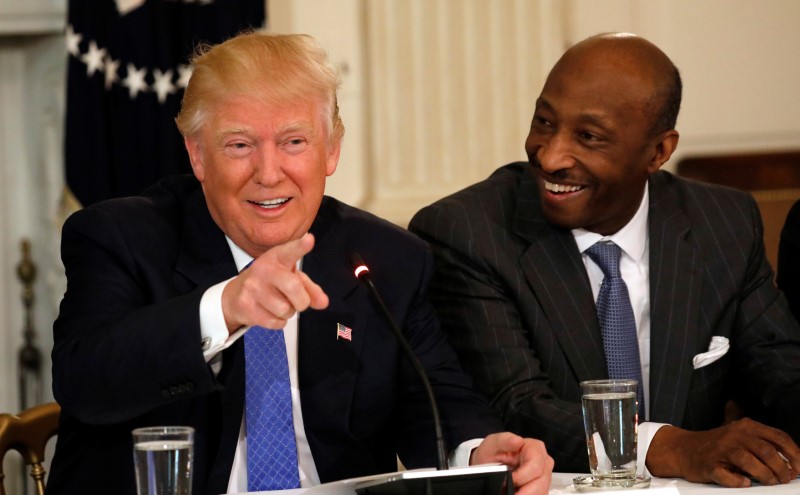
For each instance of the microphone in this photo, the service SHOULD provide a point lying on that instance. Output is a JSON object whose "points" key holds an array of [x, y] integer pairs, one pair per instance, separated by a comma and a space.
{"points": [[361, 272], [473, 480]]}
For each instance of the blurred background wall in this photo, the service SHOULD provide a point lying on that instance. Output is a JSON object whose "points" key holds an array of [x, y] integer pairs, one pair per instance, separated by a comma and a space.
{"points": [[436, 94]]}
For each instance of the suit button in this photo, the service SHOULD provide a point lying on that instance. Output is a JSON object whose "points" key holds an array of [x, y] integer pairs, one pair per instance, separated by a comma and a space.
{"points": [[164, 393]]}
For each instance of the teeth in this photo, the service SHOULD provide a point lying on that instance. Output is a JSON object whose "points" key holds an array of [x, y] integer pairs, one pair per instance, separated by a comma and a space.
{"points": [[271, 203], [560, 188]]}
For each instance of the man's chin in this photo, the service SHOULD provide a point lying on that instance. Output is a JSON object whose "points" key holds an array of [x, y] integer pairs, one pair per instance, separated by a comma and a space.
{"points": [[561, 219]]}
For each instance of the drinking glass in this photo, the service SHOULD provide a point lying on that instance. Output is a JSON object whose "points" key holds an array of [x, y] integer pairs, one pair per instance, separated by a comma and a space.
{"points": [[610, 412], [162, 458]]}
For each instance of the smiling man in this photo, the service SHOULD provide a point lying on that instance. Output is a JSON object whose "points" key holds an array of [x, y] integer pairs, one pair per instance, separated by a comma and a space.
{"points": [[518, 280], [225, 301]]}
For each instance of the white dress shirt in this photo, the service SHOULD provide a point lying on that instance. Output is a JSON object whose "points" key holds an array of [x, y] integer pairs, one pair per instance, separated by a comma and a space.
{"points": [[215, 338], [634, 266]]}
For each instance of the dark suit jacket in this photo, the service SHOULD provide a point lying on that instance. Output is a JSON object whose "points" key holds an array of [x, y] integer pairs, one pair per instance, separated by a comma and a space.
{"points": [[788, 277], [127, 346], [513, 295]]}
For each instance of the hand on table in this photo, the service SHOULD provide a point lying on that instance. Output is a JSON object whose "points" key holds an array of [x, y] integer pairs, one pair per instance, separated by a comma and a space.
{"points": [[728, 455], [271, 289], [531, 467]]}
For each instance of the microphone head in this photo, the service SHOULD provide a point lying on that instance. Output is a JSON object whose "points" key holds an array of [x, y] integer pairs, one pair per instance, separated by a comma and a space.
{"points": [[359, 267]]}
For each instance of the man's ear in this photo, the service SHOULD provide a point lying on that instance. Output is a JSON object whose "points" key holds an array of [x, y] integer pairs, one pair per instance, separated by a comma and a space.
{"points": [[332, 160], [665, 146], [195, 156]]}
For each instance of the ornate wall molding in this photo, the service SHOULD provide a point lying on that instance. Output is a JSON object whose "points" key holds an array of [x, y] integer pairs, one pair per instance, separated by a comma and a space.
{"points": [[452, 86]]}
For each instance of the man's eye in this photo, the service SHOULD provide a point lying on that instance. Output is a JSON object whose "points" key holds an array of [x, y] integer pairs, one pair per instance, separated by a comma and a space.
{"points": [[295, 145], [539, 120], [588, 136], [237, 148]]}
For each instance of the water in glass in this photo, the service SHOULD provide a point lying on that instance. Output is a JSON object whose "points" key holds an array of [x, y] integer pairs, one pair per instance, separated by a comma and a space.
{"points": [[163, 467], [610, 421]]}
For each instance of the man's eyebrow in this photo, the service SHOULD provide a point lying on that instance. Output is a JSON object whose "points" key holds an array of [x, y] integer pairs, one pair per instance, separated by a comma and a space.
{"points": [[295, 127], [221, 134], [588, 117], [594, 119], [542, 104]]}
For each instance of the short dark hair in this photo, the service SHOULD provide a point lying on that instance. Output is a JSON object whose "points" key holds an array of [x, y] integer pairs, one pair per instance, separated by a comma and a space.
{"points": [[669, 103]]}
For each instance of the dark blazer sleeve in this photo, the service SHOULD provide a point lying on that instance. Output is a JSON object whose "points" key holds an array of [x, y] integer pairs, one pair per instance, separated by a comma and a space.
{"points": [[127, 337], [709, 277], [492, 319], [788, 277], [127, 349], [766, 342]]}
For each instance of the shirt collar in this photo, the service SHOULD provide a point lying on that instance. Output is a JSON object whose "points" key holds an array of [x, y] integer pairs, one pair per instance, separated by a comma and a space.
{"points": [[632, 238], [243, 259]]}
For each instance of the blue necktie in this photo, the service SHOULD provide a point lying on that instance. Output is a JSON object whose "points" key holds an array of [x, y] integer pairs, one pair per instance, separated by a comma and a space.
{"points": [[271, 448], [617, 323]]}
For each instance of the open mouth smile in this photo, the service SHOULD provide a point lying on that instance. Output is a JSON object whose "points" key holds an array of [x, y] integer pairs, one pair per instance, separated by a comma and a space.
{"points": [[561, 188], [271, 203]]}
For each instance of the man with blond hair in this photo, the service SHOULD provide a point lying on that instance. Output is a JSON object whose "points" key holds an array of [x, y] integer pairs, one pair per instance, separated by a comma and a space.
{"points": [[174, 296]]}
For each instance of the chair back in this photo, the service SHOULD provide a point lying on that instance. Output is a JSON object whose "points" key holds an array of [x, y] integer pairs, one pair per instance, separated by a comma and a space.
{"points": [[28, 433], [773, 178]]}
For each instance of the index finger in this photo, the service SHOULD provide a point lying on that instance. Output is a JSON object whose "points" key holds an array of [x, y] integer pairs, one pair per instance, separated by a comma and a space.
{"points": [[290, 253]]}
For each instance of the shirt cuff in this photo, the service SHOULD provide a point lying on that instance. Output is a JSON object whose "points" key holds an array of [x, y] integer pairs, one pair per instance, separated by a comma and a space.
{"points": [[460, 456], [645, 435], [214, 337]]}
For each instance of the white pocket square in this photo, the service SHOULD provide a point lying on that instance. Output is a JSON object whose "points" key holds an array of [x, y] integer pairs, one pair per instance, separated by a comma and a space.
{"points": [[718, 347]]}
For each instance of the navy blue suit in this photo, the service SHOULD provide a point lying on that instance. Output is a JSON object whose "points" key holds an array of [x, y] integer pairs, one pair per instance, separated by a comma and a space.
{"points": [[127, 346]]}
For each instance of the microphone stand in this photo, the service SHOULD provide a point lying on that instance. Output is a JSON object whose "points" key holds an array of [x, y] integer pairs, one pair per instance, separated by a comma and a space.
{"points": [[473, 480], [363, 275]]}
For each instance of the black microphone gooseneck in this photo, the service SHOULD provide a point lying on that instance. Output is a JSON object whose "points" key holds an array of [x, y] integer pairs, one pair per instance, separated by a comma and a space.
{"points": [[362, 273]]}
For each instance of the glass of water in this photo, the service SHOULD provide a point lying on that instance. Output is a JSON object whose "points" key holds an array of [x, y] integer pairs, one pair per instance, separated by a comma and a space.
{"points": [[610, 420], [162, 458]]}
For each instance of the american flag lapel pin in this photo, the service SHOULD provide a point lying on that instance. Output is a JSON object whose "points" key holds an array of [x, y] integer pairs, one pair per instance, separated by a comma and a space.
{"points": [[344, 332]]}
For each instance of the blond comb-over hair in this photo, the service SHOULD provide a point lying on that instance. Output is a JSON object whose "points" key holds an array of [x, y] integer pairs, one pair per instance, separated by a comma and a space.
{"points": [[281, 68]]}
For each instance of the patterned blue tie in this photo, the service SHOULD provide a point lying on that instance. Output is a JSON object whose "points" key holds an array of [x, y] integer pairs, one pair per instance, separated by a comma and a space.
{"points": [[617, 323], [271, 448]]}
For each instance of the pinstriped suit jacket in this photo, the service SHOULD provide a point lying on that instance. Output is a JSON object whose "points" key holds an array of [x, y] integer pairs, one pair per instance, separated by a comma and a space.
{"points": [[512, 292]]}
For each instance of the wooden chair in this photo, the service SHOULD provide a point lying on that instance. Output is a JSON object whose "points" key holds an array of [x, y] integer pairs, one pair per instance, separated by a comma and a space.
{"points": [[773, 178], [28, 434]]}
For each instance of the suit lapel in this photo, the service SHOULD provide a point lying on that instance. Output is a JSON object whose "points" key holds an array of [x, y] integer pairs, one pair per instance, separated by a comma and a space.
{"points": [[555, 271], [675, 285], [327, 364], [205, 258]]}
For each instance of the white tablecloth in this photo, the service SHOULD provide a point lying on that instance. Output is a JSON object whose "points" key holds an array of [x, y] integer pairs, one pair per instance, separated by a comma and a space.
{"points": [[562, 485]]}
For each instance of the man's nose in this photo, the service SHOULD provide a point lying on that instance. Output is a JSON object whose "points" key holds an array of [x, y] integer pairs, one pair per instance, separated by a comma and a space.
{"points": [[556, 153], [268, 169]]}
